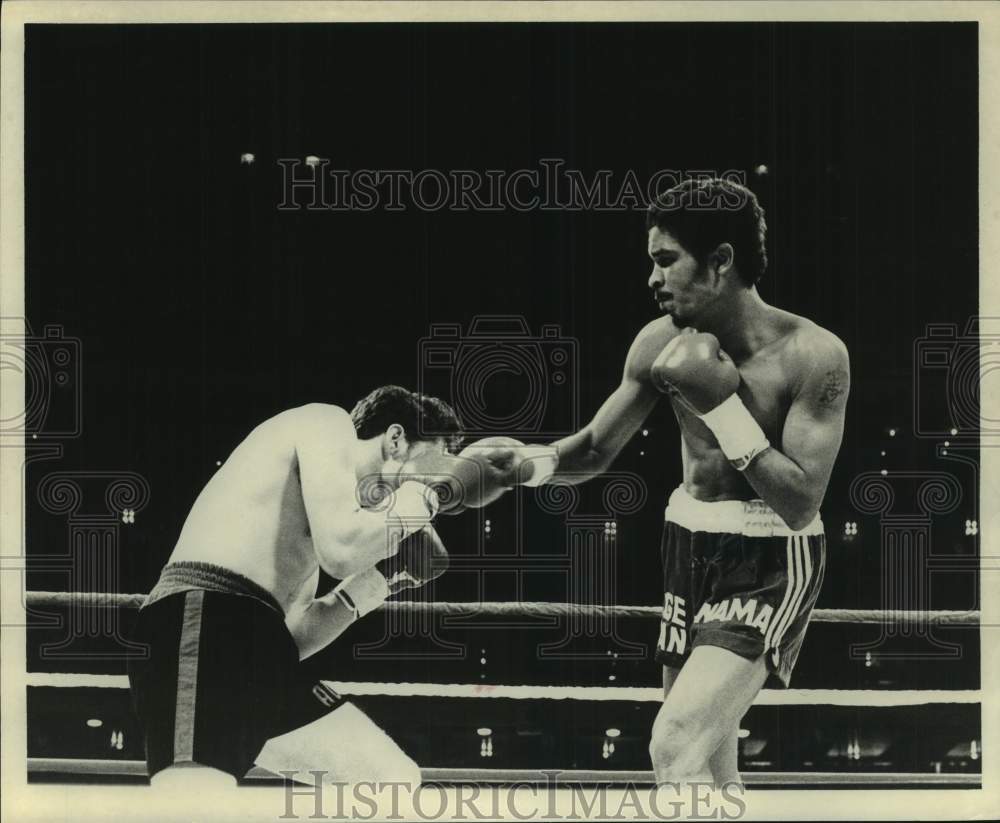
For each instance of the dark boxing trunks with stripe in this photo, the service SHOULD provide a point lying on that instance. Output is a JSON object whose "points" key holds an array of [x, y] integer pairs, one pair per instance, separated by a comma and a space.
{"points": [[222, 675], [736, 576]]}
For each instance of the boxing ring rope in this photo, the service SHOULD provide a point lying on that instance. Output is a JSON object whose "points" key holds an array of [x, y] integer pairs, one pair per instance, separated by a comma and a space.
{"points": [[36, 599], [767, 697], [137, 769], [632, 694]]}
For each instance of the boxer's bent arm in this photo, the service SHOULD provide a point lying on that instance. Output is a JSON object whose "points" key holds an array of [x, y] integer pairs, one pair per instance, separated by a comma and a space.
{"points": [[317, 623], [593, 449], [347, 538], [793, 480]]}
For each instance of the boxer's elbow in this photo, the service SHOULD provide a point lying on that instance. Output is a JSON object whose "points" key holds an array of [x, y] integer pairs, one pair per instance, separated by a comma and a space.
{"points": [[342, 553], [800, 511], [334, 559], [800, 519]]}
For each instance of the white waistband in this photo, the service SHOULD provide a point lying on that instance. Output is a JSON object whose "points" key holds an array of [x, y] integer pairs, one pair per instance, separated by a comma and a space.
{"points": [[751, 518]]}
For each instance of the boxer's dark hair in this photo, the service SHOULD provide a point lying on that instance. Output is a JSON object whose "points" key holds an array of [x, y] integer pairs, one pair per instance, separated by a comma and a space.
{"points": [[422, 417], [702, 213]]}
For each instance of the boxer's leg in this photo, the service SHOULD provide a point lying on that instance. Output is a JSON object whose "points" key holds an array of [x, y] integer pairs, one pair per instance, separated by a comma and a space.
{"points": [[723, 765], [195, 695], [191, 777], [710, 695], [724, 762]]}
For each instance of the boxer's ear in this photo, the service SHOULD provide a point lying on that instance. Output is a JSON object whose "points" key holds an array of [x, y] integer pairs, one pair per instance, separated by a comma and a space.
{"points": [[722, 258], [395, 439]]}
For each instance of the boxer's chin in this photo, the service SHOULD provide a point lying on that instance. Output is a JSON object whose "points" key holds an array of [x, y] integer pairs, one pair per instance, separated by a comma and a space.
{"points": [[394, 472], [680, 321]]}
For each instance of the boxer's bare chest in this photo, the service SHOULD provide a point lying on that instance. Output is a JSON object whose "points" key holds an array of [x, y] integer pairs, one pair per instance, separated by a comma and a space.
{"points": [[767, 385]]}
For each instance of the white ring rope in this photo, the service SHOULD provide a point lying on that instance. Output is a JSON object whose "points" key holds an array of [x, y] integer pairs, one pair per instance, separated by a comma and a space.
{"points": [[634, 694], [534, 609], [137, 768]]}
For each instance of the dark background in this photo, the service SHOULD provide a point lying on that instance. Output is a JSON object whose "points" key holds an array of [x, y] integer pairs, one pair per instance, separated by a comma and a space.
{"points": [[202, 309]]}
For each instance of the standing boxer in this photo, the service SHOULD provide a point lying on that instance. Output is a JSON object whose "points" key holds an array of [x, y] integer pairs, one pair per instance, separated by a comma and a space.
{"points": [[759, 394], [234, 609]]}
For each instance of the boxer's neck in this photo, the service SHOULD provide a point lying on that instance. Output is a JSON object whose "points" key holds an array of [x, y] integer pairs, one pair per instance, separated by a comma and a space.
{"points": [[742, 323], [369, 458]]}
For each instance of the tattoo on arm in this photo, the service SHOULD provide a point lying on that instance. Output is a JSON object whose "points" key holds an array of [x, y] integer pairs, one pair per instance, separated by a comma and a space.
{"points": [[834, 384]]}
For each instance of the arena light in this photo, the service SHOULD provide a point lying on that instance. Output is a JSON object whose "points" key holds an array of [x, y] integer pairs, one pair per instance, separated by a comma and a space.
{"points": [[613, 733], [95, 723]]}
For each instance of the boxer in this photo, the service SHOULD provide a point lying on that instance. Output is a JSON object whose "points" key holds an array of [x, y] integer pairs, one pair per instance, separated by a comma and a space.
{"points": [[234, 610], [759, 394]]}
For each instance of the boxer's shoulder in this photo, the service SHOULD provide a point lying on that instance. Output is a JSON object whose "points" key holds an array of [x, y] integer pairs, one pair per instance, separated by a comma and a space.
{"points": [[317, 419], [810, 349]]}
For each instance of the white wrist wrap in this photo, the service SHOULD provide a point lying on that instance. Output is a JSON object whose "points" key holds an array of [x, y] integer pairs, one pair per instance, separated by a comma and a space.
{"points": [[544, 460], [415, 505], [740, 436], [363, 592]]}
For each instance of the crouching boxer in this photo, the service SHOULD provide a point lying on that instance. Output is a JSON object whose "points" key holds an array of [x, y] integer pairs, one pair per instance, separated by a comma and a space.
{"points": [[234, 610]]}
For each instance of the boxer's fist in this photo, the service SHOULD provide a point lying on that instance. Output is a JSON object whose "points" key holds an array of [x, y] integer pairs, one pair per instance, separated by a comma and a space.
{"points": [[501, 458], [472, 479], [421, 558], [515, 463], [693, 365]]}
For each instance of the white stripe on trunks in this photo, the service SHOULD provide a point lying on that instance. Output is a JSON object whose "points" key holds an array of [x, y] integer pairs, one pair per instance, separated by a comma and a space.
{"points": [[790, 588], [805, 576]]}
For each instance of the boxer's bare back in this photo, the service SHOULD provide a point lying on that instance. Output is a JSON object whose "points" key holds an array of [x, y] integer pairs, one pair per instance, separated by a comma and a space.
{"points": [[251, 516]]}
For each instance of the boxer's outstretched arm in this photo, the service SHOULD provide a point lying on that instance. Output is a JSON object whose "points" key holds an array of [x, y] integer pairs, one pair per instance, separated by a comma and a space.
{"points": [[346, 537], [592, 450], [793, 480]]}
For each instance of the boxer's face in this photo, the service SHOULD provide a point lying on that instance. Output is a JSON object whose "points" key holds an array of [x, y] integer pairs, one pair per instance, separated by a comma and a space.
{"points": [[681, 287], [407, 458]]}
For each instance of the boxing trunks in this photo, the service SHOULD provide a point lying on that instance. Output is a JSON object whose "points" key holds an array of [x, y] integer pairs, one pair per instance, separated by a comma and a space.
{"points": [[222, 674], [736, 576]]}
